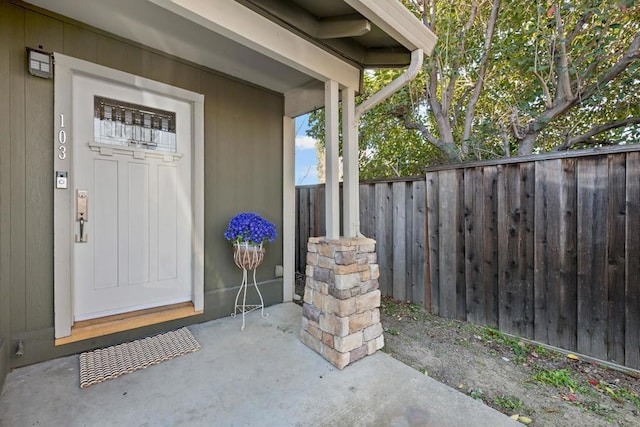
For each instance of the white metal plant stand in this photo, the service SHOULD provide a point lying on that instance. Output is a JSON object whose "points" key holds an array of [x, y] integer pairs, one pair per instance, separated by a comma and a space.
{"points": [[247, 257]]}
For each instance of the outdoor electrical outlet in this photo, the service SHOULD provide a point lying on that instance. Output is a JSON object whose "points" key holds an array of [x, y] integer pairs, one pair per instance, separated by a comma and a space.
{"points": [[279, 271], [19, 349]]}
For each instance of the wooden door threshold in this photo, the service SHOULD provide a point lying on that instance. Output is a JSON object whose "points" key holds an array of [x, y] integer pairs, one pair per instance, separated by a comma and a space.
{"points": [[123, 322]]}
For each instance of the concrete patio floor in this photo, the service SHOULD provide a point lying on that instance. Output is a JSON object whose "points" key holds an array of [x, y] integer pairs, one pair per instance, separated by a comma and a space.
{"points": [[262, 376]]}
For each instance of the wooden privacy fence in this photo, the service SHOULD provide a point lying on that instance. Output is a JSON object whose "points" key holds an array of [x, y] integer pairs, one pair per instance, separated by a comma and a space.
{"points": [[393, 212], [545, 247]]}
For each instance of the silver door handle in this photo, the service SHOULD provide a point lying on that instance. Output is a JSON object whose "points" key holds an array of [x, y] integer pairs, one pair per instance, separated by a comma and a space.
{"points": [[82, 214]]}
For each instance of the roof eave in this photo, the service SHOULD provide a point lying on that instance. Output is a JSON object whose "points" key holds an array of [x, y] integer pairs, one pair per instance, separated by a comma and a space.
{"points": [[232, 20], [397, 21]]}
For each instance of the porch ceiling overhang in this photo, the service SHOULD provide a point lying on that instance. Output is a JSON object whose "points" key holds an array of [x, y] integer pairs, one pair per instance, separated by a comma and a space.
{"points": [[366, 33], [287, 46]]}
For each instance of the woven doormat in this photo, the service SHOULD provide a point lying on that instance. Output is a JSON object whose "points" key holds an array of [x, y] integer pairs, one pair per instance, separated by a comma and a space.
{"points": [[111, 362]]}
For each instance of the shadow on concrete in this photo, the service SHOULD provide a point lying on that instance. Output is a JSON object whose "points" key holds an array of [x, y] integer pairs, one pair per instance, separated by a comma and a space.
{"points": [[262, 376]]}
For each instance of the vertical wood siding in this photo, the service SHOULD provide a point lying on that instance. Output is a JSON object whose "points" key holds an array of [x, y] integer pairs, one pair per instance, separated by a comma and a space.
{"points": [[243, 146], [547, 248], [10, 24]]}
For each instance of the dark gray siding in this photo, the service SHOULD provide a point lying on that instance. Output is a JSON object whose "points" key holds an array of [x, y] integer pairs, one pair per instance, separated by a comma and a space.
{"points": [[243, 171]]}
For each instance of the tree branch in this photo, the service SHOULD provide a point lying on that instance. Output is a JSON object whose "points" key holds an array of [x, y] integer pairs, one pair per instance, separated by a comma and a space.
{"points": [[482, 72], [461, 101], [632, 53], [393, 168], [429, 16], [472, 16], [548, 100], [505, 140], [409, 124], [445, 140], [432, 67], [588, 72], [515, 123], [447, 95], [579, 24], [587, 136], [564, 80], [536, 125], [432, 89]]}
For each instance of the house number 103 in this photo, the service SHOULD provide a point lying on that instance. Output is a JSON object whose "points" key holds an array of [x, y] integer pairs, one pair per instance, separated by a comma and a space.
{"points": [[62, 139]]}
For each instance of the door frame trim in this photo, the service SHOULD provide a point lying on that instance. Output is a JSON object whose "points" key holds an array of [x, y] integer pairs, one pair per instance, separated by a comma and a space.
{"points": [[65, 68]]}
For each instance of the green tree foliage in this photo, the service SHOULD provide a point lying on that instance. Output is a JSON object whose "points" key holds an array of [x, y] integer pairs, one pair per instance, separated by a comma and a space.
{"points": [[508, 77], [386, 147]]}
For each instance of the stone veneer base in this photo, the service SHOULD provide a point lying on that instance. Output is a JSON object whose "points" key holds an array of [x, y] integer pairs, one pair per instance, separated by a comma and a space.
{"points": [[341, 311]]}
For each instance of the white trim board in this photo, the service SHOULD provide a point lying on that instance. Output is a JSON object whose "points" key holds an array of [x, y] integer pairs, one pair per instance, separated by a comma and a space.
{"points": [[288, 207], [232, 20], [65, 68]]}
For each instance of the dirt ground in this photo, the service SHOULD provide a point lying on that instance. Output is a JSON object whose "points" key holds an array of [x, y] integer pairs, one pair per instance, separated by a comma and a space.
{"points": [[536, 386], [539, 387]]}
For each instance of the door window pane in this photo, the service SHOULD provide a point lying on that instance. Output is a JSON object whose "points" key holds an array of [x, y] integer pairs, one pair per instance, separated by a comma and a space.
{"points": [[132, 125]]}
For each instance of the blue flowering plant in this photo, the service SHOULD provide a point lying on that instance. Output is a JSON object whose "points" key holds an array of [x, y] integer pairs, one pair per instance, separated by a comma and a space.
{"points": [[251, 228]]}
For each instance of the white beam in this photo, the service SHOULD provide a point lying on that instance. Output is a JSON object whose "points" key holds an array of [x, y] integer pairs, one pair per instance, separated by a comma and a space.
{"points": [[351, 185], [235, 21], [397, 21], [339, 28], [304, 99], [332, 188], [288, 207]]}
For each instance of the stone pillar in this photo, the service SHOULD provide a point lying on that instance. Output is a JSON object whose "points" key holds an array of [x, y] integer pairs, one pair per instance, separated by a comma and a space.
{"points": [[341, 312]]}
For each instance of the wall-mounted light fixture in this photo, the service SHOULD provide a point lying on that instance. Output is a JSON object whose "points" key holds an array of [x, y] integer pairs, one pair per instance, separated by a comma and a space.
{"points": [[40, 63]]}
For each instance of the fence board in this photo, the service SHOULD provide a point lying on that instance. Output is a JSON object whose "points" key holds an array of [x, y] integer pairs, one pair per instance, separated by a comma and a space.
{"points": [[407, 262], [319, 220], [384, 236], [545, 248], [566, 293], [433, 238], [515, 236], [616, 258], [490, 244], [592, 259], [461, 286], [474, 246], [418, 248], [632, 290], [555, 255], [313, 212], [526, 260], [303, 227], [448, 243], [367, 223], [407, 204], [399, 251]]}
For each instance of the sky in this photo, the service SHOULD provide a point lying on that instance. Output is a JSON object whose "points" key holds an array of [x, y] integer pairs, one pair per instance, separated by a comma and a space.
{"points": [[306, 160]]}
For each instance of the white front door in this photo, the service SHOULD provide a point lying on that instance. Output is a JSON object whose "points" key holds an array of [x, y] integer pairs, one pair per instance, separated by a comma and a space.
{"points": [[135, 249]]}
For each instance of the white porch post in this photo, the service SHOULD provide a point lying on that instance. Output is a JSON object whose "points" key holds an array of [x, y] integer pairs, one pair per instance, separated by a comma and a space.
{"points": [[288, 207], [350, 188], [332, 211]]}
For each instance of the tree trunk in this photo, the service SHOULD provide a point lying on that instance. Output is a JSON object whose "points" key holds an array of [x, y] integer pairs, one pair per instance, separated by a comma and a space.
{"points": [[446, 142], [525, 145]]}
